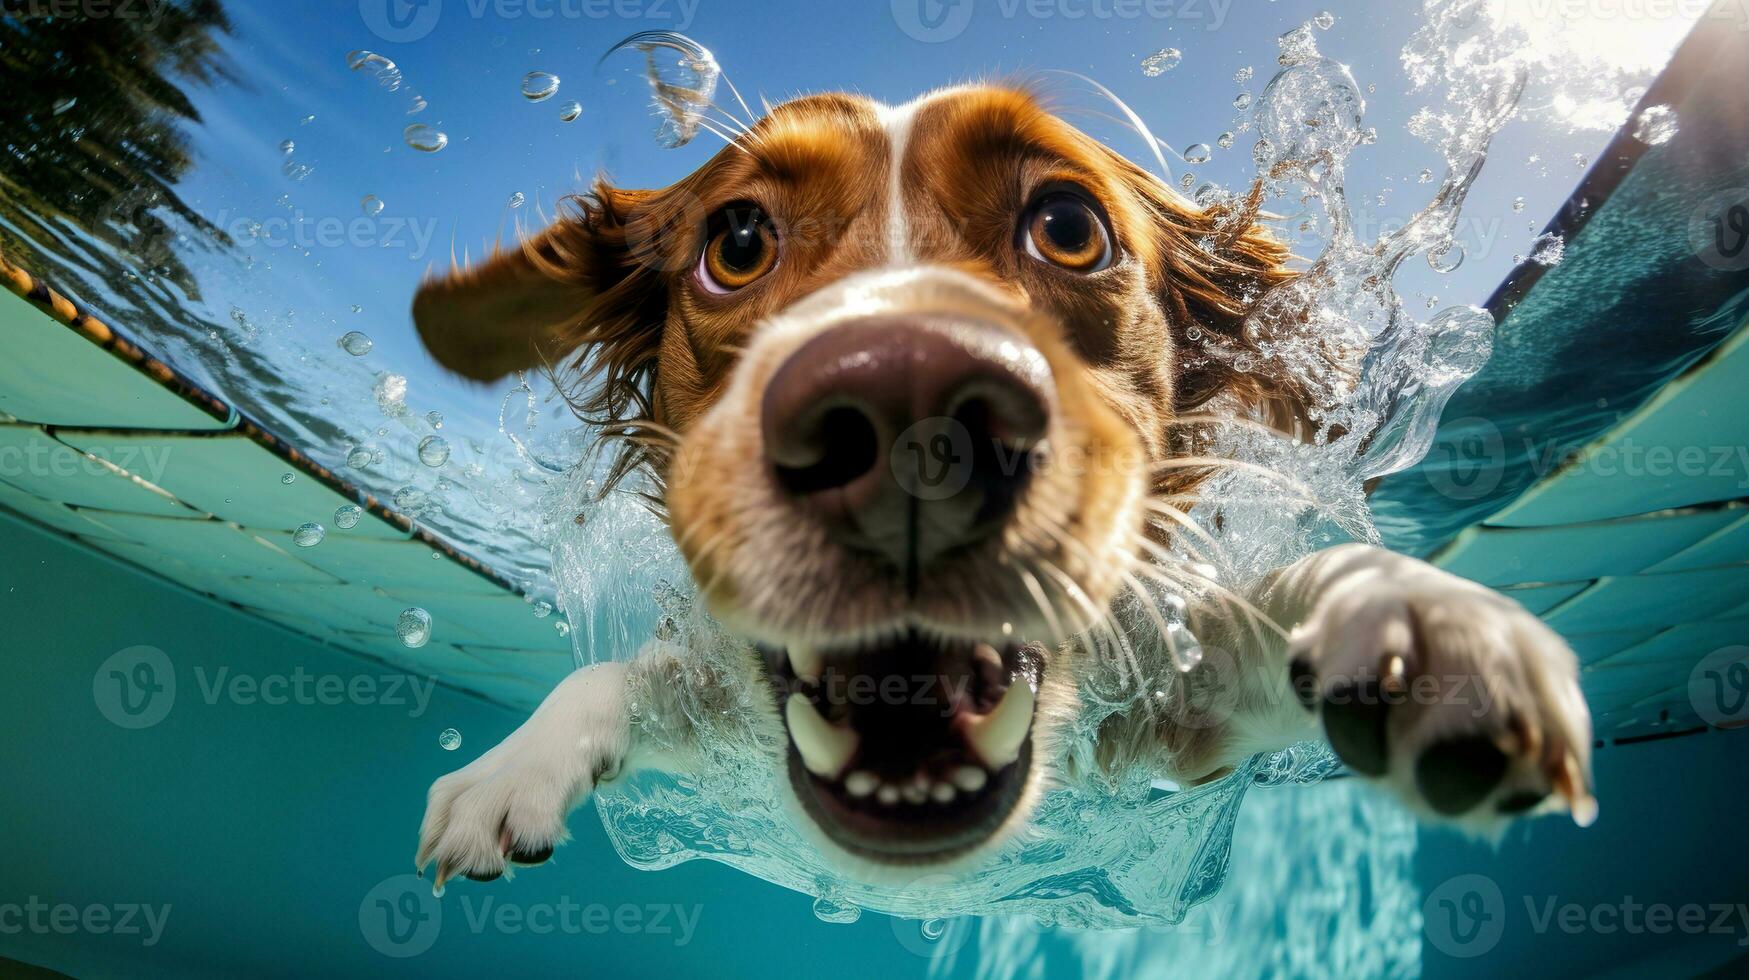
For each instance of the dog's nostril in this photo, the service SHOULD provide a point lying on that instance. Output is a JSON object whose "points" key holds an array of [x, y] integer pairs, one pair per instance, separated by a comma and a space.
{"points": [[843, 446]]}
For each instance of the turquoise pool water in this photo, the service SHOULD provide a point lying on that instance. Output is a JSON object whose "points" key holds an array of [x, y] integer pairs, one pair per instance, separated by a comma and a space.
{"points": [[273, 203]]}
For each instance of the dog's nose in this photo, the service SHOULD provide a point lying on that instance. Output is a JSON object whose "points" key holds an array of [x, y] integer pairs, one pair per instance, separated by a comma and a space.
{"points": [[907, 436]]}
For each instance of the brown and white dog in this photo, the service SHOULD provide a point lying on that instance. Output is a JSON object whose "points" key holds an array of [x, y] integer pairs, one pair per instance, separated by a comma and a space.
{"points": [[921, 376]]}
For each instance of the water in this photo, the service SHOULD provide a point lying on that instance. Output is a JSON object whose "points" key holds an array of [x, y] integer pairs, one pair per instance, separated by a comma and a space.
{"points": [[171, 272]]}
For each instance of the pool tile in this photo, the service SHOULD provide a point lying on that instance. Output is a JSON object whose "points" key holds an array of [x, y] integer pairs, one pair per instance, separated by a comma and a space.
{"points": [[1504, 555], [231, 477], [53, 375], [36, 463], [1615, 604]]}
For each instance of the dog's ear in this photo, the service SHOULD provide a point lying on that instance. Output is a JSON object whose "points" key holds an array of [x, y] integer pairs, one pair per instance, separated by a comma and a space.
{"points": [[575, 288], [1218, 263]]}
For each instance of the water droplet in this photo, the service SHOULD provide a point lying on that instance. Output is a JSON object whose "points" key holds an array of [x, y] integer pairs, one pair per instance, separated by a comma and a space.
{"points": [[1325, 20], [542, 609], [417, 105], [1446, 258], [516, 200], [539, 86], [1656, 125], [1187, 181], [1424, 177], [1581, 161], [1225, 141], [1161, 62], [1518, 205], [830, 909], [933, 929], [450, 740], [683, 88], [414, 627], [307, 120], [1548, 249], [434, 419], [570, 111], [371, 205], [433, 451], [424, 139], [358, 459], [287, 147], [410, 500], [289, 479], [1242, 101], [1244, 74], [387, 73], [563, 627], [1262, 152], [356, 343], [391, 394], [347, 516], [308, 535], [1197, 153]]}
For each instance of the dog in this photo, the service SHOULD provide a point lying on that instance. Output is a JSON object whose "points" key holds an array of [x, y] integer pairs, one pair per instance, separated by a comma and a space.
{"points": [[918, 387]]}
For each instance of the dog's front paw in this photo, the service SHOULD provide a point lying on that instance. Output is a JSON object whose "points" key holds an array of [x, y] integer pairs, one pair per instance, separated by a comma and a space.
{"points": [[508, 807], [1452, 694]]}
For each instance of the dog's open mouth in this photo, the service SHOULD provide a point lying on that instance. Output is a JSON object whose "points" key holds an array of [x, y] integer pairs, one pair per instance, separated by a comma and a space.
{"points": [[912, 750]]}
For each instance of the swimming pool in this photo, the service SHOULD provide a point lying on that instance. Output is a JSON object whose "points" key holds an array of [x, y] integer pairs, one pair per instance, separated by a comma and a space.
{"points": [[235, 269]]}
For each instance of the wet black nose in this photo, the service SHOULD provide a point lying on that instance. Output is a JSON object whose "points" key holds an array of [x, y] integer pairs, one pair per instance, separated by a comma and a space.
{"points": [[908, 437]]}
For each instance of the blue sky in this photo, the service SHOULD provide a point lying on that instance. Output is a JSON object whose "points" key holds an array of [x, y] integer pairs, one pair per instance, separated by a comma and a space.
{"points": [[467, 58]]}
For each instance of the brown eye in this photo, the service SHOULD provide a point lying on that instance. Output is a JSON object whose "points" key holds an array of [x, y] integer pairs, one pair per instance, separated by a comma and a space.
{"points": [[743, 248], [1063, 229]]}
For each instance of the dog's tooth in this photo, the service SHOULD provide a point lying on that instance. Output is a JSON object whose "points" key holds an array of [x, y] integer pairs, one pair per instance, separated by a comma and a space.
{"points": [[888, 795], [806, 661], [914, 793], [969, 778], [997, 736], [942, 793], [861, 783], [824, 747]]}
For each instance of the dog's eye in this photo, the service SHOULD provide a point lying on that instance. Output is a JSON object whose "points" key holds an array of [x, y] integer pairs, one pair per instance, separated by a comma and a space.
{"points": [[742, 249], [1063, 229]]}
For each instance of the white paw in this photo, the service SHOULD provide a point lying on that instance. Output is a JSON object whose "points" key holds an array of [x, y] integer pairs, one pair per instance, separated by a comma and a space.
{"points": [[509, 806], [1462, 702]]}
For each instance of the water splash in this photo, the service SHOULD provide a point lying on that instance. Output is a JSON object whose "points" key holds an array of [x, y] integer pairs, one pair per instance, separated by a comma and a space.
{"points": [[683, 77]]}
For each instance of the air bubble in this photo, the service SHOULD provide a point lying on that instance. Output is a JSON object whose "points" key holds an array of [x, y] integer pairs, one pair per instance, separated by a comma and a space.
{"points": [[358, 459], [1548, 249], [542, 608], [434, 419], [1325, 20], [830, 909], [413, 627], [684, 87], [516, 200], [1244, 74], [450, 740], [570, 111], [1225, 141], [433, 451], [1424, 177], [563, 627], [1656, 125], [287, 147], [371, 205], [1161, 62], [1518, 205], [1197, 153], [357, 343], [539, 86], [410, 500], [424, 139], [1446, 258], [1242, 101], [308, 534], [347, 516], [289, 479], [933, 929]]}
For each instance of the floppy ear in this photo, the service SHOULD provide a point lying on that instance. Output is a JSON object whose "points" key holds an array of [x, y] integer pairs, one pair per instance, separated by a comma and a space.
{"points": [[568, 288], [1219, 264]]}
